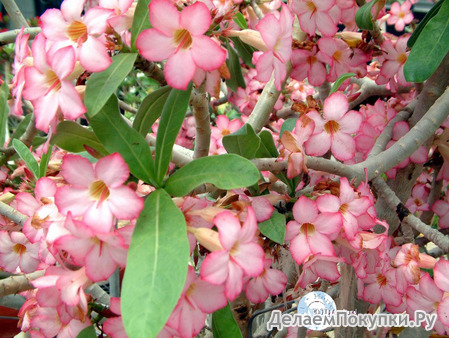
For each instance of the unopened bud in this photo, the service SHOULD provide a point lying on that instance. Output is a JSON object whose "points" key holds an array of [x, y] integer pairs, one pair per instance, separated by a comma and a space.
{"points": [[250, 37], [207, 238]]}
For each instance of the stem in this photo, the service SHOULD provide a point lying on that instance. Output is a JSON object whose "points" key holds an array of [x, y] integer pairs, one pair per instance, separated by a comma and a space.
{"points": [[200, 108], [15, 14], [10, 36], [18, 283], [12, 214]]}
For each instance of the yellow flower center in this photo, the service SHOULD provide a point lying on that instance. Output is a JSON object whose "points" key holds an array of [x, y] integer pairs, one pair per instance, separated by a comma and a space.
{"points": [[77, 32], [19, 249], [52, 81], [99, 191], [402, 58], [182, 39], [331, 127], [307, 229]]}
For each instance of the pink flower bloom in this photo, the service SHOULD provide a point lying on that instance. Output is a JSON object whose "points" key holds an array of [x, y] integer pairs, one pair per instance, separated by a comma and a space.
{"points": [[306, 65], [113, 327], [277, 35], [314, 14], [16, 251], [48, 85], [441, 208], [22, 53], [224, 127], [270, 282], [66, 27], [97, 192], [418, 199], [179, 38], [310, 233], [240, 256], [319, 266], [400, 15], [337, 54], [122, 17], [334, 131]]}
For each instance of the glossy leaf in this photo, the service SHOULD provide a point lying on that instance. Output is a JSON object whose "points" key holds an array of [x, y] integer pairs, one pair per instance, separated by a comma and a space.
{"points": [[289, 124], [141, 21], [22, 127], [245, 51], [430, 48], [45, 159], [274, 228], [243, 142], [233, 63], [224, 324], [26, 155], [429, 15], [150, 110], [219, 170], [172, 117], [72, 137], [342, 78], [156, 267], [101, 86], [267, 147], [88, 332], [4, 111], [239, 19], [117, 136], [363, 17]]}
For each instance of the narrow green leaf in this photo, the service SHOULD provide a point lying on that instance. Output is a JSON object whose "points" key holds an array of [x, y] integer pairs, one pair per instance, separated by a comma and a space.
{"points": [[245, 51], [267, 143], [219, 170], [117, 136], [224, 324], [72, 137], [289, 124], [156, 267], [363, 17], [26, 155], [243, 142], [429, 15], [4, 111], [150, 110], [141, 21], [88, 332], [239, 19], [430, 48], [172, 117], [340, 80], [44, 162], [21, 127], [235, 69], [101, 86], [274, 228]]}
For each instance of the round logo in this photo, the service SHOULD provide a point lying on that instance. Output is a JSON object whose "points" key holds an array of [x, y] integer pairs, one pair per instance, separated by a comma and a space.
{"points": [[317, 303]]}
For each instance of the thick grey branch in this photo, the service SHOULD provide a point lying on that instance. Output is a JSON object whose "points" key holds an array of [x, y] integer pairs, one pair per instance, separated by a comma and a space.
{"points": [[10, 36], [12, 214], [15, 14], [19, 283], [200, 108]]}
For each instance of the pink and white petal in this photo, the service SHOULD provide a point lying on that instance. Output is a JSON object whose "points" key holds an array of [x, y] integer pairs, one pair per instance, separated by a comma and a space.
{"points": [[274, 281], [229, 229], [77, 171], [45, 110], [325, 24], [419, 156], [70, 102], [359, 206], [54, 25], [63, 61], [206, 53], [328, 203], [149, 38], [99, 217], [45, 187], [350, 225], [96, 20], [250, 257], [372, 293], [28, 263], [35, 86], [443, 311], [317, 74], [215, 267], [327, 270], [26, 203], [318, 144], [234, 283], [305, 210], [262, 208], [307, 23], [269, 30], [112, 170], [329, 223], [347, 193], [343, 146], [179, 69], [124, 203], [320, 244], [300, 249], [292, 230], [9, 261], [93, 55], [99, 265], [264, 66], [441, 275], [72, 9], [196, 18], [78, 248], [75, 200], [164, 16], [335, 107], [249, 228], [350, 122], [208, 297], [255, 290], [441, 208], [114, 328]]}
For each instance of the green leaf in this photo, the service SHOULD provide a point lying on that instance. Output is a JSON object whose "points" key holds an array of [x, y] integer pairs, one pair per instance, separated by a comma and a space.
{"points": [[44, 162], [430, 14], [267, 147], [233, 63], [26, 155], [289, 124], [340, 80], [88, 332], [224, 324], [239, 19], [430, 48], [172, 117], [363, 17], [101, 86], [219, 170], [156, 267], [4, 111], [243, 142], [141, 21], [117, 136], [72, 137], [150, 110], [245, 51], [274, 228], [21, 127]]}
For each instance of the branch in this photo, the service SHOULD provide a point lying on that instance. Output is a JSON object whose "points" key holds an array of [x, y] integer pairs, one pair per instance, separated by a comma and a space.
{"points": [[15, 14], [18, 283], [127, 107], [200, 108], [257, 9], [13, 214], [10, 36]]}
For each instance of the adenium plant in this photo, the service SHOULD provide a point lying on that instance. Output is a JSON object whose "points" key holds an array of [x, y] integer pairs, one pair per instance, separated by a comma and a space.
{"points": [[178, 166]]}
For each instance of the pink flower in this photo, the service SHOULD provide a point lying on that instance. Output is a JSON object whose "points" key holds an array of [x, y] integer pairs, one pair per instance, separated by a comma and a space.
{"points": [[400, 15], [319, 266], [240, 256], [441, 208], [179, 38], [66, 27], [97, 192], [48, 85], [337, 54], [393, 60], [277, 35], [306, 64], [314, 14], [224, 127], [113, 327], [22, 53], [16, 251], [334, 131]]}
